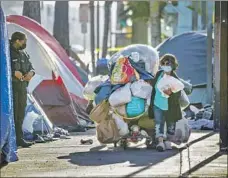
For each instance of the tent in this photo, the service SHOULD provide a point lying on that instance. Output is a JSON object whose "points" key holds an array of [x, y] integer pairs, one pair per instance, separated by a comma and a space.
{"points": [[8, 138], [57, 85], [190, 48]]}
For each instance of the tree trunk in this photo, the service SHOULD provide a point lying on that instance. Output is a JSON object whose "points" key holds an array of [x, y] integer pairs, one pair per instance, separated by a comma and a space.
{"points": [[92, 35], [61, 24], [139, 32], [106, 27], [31, 9], [98, 29], [195, 15], [204, 15], [155, 23]]}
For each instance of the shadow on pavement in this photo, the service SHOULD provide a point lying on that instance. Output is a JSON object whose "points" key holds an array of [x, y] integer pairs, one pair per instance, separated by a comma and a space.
{"points": [[203, 163], [135, 157]]}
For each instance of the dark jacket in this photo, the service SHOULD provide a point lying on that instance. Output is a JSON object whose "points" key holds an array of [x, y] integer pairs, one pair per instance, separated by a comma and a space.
{"points": [[174, 111], [19, 62]]}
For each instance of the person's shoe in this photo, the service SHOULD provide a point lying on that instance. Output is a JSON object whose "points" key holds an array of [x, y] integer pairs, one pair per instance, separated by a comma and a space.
{"points": [[168, 145], [160, 147]]}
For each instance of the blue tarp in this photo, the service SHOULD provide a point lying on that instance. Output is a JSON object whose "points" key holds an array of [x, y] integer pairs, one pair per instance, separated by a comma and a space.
{"points": [[191, 51], [8, 138]]}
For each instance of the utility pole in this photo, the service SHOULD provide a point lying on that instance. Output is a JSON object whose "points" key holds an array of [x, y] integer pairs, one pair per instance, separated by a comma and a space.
{"points": [[221, 71], [98, 29], [209, 63], [92, 34]]}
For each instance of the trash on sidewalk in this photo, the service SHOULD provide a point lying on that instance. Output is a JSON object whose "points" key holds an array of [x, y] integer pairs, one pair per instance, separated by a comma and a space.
{"points": [[85, 142], [200, 119]]}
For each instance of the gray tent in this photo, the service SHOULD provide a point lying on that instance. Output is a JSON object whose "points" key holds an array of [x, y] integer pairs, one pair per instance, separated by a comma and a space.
{"points": [[191, 51]]}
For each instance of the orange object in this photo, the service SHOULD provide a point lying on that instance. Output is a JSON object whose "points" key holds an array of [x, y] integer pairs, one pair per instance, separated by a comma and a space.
{"points": [[123, 72]]}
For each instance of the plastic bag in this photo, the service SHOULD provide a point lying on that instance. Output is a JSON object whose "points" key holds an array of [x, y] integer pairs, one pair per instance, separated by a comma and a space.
{"points": [[141, 89], [92, 85], [139, 53], [136, 107], [121, 96], [187, 86], [107, 131], [121, 110], [123, 72], [184, 101], [100, 112], [168, 81], [182, 131], [121, 125]]}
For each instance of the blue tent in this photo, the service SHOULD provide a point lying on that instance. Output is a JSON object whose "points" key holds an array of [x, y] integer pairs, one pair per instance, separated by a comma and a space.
{"points": [[190, 48], [8, 138]]}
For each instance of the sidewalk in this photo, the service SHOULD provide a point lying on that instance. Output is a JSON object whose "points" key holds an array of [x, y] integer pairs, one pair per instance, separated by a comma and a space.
{"points": [[69, 158]]}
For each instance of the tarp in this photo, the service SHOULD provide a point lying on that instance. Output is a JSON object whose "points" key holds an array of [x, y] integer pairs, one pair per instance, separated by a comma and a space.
{"points": [[8, 138], [35, 120], [57, 86], [190, 48]]}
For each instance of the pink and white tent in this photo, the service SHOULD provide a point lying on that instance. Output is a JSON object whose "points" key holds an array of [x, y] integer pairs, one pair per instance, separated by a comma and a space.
{"points": [[57, 85]]}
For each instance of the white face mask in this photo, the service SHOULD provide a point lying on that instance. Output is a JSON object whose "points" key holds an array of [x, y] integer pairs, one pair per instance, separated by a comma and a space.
{"points": [[166, 68]]}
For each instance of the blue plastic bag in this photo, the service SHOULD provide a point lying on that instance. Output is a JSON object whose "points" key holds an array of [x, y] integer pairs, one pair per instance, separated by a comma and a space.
{"points": [[136, 107]]}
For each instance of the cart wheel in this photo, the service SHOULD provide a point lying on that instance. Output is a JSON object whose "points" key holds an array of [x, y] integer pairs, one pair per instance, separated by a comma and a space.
{"points": [[124, 144], [148, 143]]}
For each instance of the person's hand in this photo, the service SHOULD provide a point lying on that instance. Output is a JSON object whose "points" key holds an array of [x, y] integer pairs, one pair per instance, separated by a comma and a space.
{"points": [[18, 75], [28, 76], [168, 91]]}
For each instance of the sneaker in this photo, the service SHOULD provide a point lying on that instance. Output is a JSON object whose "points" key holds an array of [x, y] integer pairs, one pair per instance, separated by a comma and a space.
{"points": [[168, 145], [160, 146]]}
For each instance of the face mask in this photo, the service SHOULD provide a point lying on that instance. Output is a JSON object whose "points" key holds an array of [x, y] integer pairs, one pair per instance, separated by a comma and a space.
{"points": [[166, 68], [22, 46]]}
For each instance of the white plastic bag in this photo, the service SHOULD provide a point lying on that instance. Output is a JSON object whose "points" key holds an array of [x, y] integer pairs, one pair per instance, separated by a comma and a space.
{"points": [[168, 81], [121, 96], [141, 89], [92, 84], [121, 125], [182, 131], [184, 101], [121, 110]]}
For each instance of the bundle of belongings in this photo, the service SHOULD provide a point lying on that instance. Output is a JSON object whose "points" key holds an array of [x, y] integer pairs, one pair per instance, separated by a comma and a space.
{"points": [[36, 125], [120, 101], [200, 119]]}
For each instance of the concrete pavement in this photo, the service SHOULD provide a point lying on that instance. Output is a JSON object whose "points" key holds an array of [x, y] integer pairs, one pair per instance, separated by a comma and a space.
{"points": [[69, 158]]}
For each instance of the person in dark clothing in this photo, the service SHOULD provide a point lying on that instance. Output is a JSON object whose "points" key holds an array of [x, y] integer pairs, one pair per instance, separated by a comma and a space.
{"points": [[165, 110], [22, 72]]}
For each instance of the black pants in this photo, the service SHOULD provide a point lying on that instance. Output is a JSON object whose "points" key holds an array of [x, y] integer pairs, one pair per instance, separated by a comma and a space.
{"points": [[19, 105]]}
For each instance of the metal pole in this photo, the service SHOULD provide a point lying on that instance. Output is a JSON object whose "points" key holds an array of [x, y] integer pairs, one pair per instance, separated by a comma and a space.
{"points": [[224, 77], [84, 42], [209, 64], [92, 34], [98, 29]]}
